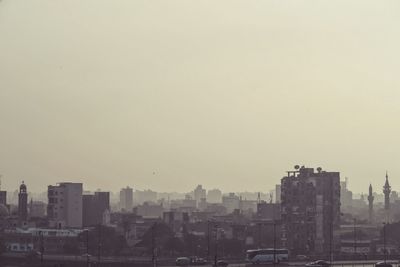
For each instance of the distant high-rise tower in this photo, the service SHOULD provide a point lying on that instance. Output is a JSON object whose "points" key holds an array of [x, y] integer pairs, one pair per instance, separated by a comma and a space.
{"points": [[199, 193], [371, 204], [386, 191], [23, 203], [278, 193], [126, 199]]}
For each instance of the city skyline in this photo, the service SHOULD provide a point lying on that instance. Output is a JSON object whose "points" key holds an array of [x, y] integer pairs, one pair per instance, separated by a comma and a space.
{"points": [[314, 216], [187, 133], [267, 191]]}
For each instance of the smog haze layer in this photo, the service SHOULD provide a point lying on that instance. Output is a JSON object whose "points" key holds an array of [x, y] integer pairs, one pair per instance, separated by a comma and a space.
{"points": [[170, 94]]}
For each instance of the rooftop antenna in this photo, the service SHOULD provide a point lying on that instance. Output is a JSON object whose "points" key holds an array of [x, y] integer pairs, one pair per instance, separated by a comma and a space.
{"points": [[259, 198], [0, 181]]}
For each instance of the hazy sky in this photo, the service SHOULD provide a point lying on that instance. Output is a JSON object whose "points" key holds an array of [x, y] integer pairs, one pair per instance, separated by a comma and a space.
{"points": [[168, 94]]}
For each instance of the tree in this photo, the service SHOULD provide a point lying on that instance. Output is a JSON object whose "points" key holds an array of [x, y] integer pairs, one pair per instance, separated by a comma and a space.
{"points": [[174, 246], [103, 239], [232, 247], [194, 245], [157, 237]]}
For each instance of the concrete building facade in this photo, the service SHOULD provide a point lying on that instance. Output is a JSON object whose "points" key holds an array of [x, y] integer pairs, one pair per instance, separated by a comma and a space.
{"points": [[3, 198], [278, 193], [268, 211], [199, 193], [310, 210], [230, 202], [214, 196], [126, 199], [37, 209], [64, 209], [94, 208]]}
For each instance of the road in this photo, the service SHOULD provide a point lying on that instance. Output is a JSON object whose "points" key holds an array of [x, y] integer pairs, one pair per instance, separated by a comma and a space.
{"points": [[169, 263]]}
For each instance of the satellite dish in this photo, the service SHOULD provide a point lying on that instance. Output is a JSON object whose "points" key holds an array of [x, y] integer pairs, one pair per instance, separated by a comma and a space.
{"points": [[296, 167], [319, 169]]}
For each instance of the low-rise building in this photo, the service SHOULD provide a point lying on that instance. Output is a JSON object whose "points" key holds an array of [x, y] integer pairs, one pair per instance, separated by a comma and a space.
{"points": [[149, 209]]}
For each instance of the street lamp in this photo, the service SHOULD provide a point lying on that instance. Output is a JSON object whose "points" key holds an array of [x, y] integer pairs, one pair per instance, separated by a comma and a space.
{"points": [[99, 246], [355, 240], [153, 241], [259, 235], [216, 245], [41, 247], [384, 242], [274, 242], [87, 248], [208, 240]]}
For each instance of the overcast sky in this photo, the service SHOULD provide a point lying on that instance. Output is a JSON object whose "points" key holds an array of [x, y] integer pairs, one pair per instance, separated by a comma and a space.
{"points": [[169, 94]]}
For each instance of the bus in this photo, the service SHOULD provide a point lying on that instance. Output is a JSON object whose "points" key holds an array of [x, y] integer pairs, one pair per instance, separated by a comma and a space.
{"points": [[266, 255]]}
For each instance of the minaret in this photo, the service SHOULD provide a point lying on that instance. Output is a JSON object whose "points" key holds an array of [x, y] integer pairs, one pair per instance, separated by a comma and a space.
{"points": [[371, 205], [386, 191], [23, 203]]}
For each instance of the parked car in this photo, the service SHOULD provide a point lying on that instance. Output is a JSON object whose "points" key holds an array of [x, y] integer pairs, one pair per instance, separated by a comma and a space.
{"points": [[383, 264], [318, 263], [198, 261], [182, 261], [221, 263]]}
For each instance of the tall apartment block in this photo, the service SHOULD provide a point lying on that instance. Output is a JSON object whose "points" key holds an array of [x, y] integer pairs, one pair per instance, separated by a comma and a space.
{"points": [[277, 193], [126, 199], [64, 209], [199, 193], [310, 210]]}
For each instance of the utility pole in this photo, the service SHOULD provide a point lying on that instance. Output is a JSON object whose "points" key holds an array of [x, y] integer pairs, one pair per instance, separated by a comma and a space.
{"points": [[41, 247], [87, 248], [153, 242], [216, 245], [384, 242], [274, 242], [355, 240], [331, 224], [99, 244], [208, 239]]}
